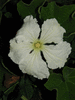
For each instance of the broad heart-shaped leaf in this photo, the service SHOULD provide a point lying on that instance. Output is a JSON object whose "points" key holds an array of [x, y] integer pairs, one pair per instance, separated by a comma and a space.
{"points": [[65, 85], [64, 15], [25, 9]]}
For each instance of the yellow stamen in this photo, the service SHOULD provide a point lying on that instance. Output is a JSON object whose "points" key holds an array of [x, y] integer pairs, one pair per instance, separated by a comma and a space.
{"points": [[37, 45]]}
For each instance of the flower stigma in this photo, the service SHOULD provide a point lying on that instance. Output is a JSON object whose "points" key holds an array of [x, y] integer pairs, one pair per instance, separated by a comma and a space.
{"points": [[37, 45]]}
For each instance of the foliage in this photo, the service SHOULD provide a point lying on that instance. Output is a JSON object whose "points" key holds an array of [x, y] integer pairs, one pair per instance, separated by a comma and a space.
{"points": [[64, 84]]}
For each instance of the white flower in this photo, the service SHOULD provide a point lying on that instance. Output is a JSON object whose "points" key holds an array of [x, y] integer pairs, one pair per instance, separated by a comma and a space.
{"points": [[25, 47]]}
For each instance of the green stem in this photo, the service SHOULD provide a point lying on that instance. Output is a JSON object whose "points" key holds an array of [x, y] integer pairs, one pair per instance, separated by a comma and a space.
{"points": [[11, 87], [41, 7], [4, 4], [23, 98], [7, 68], [71, 34]]}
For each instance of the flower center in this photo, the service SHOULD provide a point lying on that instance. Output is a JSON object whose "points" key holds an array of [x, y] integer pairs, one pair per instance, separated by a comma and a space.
{"points": [[37, 45]]}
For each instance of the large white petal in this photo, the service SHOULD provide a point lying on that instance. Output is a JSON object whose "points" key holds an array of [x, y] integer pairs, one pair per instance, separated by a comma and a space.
{"points": [[19, 46], [52, 31], [30, 29], [56, 56], [34, 65]]}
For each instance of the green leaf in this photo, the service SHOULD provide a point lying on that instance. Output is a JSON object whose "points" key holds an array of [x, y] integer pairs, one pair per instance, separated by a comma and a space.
{"points": [[63, 14], [4, 97], [65, 85], [69, 76], [8, 14], [62, 1], [54, 11], [36, 95], [29, 89], [26, 88], [53, 81], [31, 9]]}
